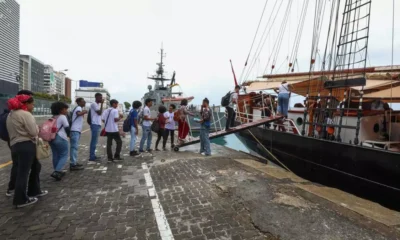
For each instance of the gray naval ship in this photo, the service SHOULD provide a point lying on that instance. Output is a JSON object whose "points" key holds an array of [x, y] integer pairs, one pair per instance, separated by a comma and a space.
{"points": [[163, 94]]}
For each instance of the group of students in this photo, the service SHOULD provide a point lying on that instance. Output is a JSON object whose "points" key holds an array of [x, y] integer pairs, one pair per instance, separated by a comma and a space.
{"points": [[166, 126], [23, 132]]}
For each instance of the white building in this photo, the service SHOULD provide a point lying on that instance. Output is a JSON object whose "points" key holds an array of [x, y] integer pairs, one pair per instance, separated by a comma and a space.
{"points": [[88, 95], [60, 82], [49, 85], [33, 71]]}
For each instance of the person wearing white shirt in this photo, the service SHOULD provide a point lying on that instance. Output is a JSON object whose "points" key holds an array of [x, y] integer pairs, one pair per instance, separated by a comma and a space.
{"points": [[96, 110], [169, 126], [59, 146], [111, 117], [146, 126], [283, 98], [76, 129]]}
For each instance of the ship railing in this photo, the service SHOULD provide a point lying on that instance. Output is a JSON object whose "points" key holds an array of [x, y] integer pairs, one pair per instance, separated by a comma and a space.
{"points": [[197, 108], [287, 125]]}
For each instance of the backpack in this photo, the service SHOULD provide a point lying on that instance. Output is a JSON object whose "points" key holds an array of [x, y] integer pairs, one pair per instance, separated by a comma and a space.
{"points": [[141, 116], [89, 117], [69, 117], [226, 99], [3, 126], [48, 129], [126, 127], [155, 126]]}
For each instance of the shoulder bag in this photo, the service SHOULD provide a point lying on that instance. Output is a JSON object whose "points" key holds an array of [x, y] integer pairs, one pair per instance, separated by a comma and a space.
{"points": [[42, 149]]}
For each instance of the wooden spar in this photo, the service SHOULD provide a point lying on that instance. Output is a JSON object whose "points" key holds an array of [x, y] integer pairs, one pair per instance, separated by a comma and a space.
{"points": [[234, 75]]}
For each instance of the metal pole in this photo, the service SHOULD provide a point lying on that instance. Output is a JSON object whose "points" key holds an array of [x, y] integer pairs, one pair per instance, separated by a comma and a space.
{"points": [[219, 121], [215, 125]]}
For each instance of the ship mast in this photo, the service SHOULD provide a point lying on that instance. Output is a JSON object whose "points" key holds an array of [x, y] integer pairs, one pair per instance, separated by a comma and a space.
{"points": [[159, 76]]}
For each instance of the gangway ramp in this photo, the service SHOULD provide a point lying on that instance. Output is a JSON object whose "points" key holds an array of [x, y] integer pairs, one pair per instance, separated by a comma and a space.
{"points": [[236, 129]]}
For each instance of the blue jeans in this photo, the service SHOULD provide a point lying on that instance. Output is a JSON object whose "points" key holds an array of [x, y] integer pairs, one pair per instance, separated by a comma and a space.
{"points": [[93, 142], [74, 144], [283, 103], [133, 139], [59, 148], [205, 140], [146, 134]]}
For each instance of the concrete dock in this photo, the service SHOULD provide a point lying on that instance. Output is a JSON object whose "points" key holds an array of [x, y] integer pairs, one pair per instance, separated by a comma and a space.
{"points": [[184, 195]]}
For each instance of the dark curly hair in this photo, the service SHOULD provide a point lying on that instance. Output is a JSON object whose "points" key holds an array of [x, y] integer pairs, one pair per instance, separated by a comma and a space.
{"points": [[56, 108], [162, 109], [184, 102], [136, 104]]}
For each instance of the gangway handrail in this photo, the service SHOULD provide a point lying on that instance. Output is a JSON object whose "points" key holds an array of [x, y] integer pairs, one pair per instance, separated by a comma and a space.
{"points": [[236, 129]]}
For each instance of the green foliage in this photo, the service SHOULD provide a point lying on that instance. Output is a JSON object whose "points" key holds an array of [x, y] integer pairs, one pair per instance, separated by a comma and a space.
{"points": [[127, 105], [54, 97]]}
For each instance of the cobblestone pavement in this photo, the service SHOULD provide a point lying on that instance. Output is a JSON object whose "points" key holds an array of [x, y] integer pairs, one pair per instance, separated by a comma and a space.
{"points": [[184, 193]]}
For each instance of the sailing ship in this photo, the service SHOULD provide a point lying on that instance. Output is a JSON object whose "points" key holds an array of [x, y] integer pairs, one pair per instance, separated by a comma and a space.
{"points": [[344, 134]]}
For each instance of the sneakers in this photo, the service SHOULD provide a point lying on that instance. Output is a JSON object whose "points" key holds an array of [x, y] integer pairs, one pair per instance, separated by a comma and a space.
{"points": [[57, 175], [149, 150], [157, 149], [134, 153], [95, 160], [10, 193], [204, 154], [118, 159], [76, 167], [28, 202], [41, 194], [164, 149]]}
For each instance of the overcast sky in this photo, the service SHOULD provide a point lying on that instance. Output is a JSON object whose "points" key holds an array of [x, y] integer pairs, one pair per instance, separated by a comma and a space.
{"points": [[117, 42]]}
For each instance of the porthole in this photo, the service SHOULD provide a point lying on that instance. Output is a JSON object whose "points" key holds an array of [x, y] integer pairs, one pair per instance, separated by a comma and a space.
{"points": [[299, 121], [376, 127]]}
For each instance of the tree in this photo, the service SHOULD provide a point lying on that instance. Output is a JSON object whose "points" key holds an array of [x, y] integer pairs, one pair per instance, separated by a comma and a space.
{"points": [[127, 105]]}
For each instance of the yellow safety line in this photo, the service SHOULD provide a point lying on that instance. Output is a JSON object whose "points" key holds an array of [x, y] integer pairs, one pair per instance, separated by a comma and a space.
{"points": [[10, 162], [5, 164]]}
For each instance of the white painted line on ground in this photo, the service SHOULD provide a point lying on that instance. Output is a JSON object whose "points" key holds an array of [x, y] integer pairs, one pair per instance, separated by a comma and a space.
{"points": [[152, 192], [161, 219]]}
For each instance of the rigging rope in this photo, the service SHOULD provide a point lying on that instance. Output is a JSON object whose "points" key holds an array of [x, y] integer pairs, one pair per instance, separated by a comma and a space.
{"points": [[254, 39], [296, 44], [263, 40], [270, 153], [281, 34]]}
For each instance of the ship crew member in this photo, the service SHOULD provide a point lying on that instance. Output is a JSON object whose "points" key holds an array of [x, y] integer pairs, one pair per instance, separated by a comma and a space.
{"points": [[284, 92], [230, 121]]}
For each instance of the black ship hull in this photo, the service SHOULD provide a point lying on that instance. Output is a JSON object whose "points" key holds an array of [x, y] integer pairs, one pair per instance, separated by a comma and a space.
{"points": [[368, 173]]}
